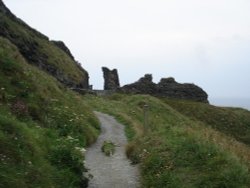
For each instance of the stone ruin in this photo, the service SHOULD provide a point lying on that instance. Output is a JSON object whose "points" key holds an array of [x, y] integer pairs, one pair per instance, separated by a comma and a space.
{"points": [[167, 87], [111, 79], [144, 85]]}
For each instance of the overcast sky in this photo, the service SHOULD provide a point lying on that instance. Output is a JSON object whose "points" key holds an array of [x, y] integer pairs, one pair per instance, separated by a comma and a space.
{"points": [[195, 41]]}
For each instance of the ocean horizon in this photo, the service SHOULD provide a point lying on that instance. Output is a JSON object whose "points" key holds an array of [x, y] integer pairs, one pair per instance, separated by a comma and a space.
{"points": [[231, 102]]}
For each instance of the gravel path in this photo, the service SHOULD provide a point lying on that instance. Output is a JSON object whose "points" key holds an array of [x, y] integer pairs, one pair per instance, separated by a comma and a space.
{"points": [[114, 171]]}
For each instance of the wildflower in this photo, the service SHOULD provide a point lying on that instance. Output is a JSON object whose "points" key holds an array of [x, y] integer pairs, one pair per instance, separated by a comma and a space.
{"points": [[54, 100], [82, 150], [70, 138]]}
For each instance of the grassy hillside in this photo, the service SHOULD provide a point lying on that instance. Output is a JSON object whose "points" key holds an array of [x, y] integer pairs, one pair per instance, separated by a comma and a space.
{"points": [[234, 122], [43, 126], [178, 150]]}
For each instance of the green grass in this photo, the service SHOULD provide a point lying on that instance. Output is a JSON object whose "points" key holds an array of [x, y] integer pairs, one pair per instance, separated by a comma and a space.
{"points": [[177, 150], [44, 127], [108, 148], [234, 122]]}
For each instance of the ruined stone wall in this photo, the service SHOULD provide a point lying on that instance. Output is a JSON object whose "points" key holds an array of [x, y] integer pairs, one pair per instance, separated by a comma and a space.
{"points": [[111, 79], [167, 87]]}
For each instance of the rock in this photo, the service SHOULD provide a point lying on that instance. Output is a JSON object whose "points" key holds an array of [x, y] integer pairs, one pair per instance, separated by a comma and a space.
{"points": [[111, 79], [144, 85], [62, 46], [4, 10], [167, 87]]}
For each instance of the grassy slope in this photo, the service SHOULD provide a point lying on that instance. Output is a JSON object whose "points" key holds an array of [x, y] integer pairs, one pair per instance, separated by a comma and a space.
{"points": [[55, 57], [234, 122], [42, 126], [177, 150]]}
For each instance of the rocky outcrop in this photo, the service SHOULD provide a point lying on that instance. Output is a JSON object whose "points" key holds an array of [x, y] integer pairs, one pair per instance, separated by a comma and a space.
{"points": [[5, 11], [111, 79], [170, 88], [52, 57], [167, 87], [62, 46], [144, 85]]}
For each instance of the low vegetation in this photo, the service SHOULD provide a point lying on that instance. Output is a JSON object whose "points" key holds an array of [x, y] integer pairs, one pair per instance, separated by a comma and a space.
{"points": [[108, 148], [44, 127], [234, 122], [176, 149]]}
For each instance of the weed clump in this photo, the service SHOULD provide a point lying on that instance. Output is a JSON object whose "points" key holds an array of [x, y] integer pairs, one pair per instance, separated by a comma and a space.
{"points": [[108, 148]]}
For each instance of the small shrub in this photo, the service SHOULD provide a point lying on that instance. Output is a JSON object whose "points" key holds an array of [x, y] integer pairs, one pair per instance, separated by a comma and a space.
{"points": [[108, 148]]}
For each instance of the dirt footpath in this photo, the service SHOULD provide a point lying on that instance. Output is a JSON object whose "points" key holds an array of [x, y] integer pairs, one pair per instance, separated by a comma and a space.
{"points": [[114, 171]]}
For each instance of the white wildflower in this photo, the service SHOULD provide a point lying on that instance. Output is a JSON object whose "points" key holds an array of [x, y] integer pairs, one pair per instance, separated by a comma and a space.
{"points": [[70, 138], [54, 100], [82, 150]]}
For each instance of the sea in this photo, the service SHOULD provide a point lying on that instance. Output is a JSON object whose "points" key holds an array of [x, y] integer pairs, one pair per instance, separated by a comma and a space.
{"points": [[231, 102]]}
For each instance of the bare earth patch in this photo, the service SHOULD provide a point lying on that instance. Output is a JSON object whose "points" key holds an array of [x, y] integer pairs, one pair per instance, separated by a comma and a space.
{"points": [[113, 171]]}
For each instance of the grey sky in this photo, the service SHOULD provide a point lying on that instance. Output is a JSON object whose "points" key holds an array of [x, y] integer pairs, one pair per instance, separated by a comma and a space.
{"points": [[196, 41]]}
